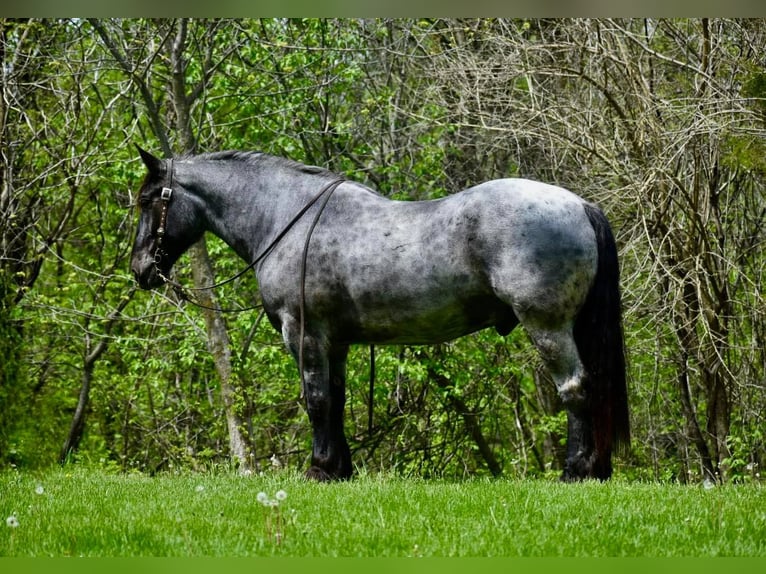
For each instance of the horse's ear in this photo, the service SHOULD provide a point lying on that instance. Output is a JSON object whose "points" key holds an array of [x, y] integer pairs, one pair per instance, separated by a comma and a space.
{"points": [[153, 164]]}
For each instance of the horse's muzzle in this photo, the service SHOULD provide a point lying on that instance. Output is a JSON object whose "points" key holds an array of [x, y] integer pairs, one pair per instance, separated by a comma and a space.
{"points": [[145, 274]]}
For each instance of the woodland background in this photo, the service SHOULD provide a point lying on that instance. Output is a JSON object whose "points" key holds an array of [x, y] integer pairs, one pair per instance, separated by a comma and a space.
{"points": [[662, 122]]}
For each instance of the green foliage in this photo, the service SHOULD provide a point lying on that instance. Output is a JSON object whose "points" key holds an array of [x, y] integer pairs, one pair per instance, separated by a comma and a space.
{"points": [[745, 152], [11, 382], [754, 87]]}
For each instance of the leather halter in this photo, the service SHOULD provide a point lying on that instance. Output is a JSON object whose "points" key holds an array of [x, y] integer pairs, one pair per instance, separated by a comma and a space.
{"points": [[165, 195]]}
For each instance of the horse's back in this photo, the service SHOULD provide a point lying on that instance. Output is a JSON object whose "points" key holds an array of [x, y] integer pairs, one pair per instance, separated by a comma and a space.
{"points": [[427, 271]]}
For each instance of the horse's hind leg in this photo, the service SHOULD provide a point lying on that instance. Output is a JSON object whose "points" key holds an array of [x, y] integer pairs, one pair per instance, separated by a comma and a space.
{"points": [[559, 353]]}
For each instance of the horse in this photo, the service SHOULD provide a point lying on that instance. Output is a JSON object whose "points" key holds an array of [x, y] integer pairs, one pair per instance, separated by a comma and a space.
{"points": [[339, 264]]}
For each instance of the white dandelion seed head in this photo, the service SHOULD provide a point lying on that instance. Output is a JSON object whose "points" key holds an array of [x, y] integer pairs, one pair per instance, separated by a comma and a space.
{"points": [[280, 495], [262, 498], [39, 489], [12, 521], [199, 488]]}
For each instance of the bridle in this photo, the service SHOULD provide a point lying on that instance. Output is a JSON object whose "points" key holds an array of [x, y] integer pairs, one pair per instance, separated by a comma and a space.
{"points": [[165, 195]]}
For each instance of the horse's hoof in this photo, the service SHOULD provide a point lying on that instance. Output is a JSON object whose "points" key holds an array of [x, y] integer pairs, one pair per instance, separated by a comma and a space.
{"points": [[581, 467], [567, 476], [318, 474]]}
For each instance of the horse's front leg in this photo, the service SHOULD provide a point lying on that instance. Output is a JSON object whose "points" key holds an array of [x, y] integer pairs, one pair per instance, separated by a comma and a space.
{"points": [[324, 389], [333, 453]]}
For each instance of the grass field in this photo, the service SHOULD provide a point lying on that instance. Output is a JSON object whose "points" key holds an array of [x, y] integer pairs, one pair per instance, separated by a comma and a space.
{"points": [[75, 512]]}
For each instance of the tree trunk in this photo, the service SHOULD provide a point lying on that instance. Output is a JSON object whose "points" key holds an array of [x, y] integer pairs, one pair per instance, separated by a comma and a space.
{"points": [[182, 100], [219, 345], [470, 419], [77, 428], [684, 331], [92, 354], [218, 341]]}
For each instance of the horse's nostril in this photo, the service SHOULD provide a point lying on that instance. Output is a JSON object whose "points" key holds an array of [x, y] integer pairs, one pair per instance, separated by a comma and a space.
{"points": [[138, 275]]}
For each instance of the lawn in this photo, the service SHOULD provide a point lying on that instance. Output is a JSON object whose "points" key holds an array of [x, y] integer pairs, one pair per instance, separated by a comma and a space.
{"points": [[77, 512]]}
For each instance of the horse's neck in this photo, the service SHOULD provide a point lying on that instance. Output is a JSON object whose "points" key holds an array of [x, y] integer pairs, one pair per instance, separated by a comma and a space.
{"points": [[248, 213]]}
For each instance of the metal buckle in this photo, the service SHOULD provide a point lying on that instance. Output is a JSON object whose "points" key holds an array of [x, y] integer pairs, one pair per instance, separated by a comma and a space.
{"points": [[166, 193]]}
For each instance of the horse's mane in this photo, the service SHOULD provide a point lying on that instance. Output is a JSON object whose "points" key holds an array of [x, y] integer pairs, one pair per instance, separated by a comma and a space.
{"points": [[261, 158]]}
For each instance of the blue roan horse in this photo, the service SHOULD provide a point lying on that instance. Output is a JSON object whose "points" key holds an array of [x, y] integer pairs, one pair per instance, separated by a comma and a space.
{"points": [[357, 267]]}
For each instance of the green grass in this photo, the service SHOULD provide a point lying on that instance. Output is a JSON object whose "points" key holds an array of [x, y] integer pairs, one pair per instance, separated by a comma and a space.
{"points": [[88, 513]]}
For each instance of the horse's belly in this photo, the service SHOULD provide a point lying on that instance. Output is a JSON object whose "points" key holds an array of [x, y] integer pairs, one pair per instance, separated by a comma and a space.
{"points": [[429, 320]]}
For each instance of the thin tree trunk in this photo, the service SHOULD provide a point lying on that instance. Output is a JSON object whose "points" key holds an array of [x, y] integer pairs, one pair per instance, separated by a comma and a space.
{"points": [[76, 429], [218, 342], [218, 339], [92, 354], [470, 420], [685, 338], [219, 346]]}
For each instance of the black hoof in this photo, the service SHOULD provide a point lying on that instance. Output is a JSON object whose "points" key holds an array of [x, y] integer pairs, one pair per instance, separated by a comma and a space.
{"points": [[583, 468], [316, 473], [321, 475], [566, 476]]}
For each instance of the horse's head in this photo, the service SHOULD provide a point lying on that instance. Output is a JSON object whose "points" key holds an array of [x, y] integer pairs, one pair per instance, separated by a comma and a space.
{"points": [[168, 223]]}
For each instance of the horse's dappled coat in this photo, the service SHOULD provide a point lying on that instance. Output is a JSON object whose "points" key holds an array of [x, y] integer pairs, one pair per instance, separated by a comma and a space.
{"points": [[380, 271]]}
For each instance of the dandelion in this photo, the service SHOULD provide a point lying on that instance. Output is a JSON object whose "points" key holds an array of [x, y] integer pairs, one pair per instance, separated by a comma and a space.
{"points": [[39, 490], [274, 521], [12, 521], [199, 488]]}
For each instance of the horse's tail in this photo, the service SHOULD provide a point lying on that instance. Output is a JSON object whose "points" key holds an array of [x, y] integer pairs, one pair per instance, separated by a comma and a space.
{"points": [[599, 338]]}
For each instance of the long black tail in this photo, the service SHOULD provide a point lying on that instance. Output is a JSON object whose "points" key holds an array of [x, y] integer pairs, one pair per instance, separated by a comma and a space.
{"points": [[599, 337]]}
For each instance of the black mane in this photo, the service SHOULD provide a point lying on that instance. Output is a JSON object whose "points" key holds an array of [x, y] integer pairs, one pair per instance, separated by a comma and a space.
{"points": [[261, 158]]}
